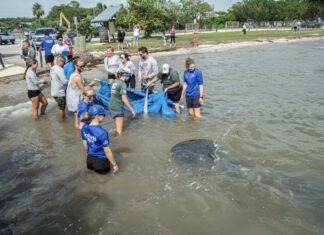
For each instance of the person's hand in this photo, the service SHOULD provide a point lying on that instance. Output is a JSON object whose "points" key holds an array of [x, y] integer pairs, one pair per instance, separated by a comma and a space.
{"points": [[166, 90], [201, 100], [181, 100], [92, 83], [133, 114], [115, 168], [148, 84]]}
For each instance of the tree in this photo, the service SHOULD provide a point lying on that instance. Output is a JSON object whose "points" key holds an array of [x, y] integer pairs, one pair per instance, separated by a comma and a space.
{"points": [[74, 4], [85, 27], [100, 7], [38, 11]]}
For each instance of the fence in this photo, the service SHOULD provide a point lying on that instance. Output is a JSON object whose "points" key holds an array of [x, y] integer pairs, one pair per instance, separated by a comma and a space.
{"points": [[197, 27], [261, 24]]}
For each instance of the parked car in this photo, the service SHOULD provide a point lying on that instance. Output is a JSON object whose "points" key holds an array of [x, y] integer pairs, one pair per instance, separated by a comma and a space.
{"points": [[5, 38], [310, 24], [31, 34], [40, 35]]}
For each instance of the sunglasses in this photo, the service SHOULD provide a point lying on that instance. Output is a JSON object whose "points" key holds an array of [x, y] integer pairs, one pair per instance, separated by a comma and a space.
{"points": [[122, 58], [90, 96]]}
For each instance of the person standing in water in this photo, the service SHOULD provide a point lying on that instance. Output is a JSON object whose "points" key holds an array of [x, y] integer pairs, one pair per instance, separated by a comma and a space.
{"points": [[58, 85], [126, 63], [85, 104], [193, 89], [147, 69], [34, 88], [111, 63], [118, 99], [95, 141], [74, 88]]}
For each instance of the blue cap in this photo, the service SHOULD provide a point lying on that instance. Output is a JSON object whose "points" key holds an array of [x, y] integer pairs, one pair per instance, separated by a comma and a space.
{"points": [[95, 110]]}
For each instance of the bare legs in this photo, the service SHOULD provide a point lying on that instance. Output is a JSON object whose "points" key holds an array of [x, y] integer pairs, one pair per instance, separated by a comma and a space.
{"points": [[195, 113], [119, 122], [35, 104]]}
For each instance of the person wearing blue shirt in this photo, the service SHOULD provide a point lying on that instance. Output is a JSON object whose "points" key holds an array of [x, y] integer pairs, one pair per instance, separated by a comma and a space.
{"points": [[193, 89], [84, 105], [47, 45], [95, 140]]}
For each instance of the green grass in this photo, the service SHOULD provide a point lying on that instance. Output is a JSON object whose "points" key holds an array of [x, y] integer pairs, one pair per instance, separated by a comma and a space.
{"points": [[213, 38]]}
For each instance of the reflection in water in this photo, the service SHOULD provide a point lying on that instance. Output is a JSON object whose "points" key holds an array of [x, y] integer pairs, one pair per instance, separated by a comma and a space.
{"points": [[264, 108]]}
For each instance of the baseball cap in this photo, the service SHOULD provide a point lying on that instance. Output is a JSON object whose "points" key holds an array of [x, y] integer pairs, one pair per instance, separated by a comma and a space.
{"points": [[95, 110], [165, 68]]}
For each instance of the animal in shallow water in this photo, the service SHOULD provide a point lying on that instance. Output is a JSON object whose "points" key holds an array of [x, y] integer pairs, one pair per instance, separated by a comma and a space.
{"points": [[201, 152]]}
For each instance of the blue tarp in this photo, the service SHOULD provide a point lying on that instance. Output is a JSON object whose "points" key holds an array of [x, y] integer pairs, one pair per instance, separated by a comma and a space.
{"points": [[157, 102]]}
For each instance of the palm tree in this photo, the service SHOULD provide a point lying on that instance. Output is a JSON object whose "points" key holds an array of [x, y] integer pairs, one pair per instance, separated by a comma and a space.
{"points": [[38, 11]]}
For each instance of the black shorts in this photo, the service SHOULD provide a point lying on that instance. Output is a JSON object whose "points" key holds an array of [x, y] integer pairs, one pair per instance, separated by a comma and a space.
{"points": [[61, 102], [33, 93], [192, 102], [131, 82], [172, 39], [49, 59], [99, 165], [120, 40], [111, 76], [175, 94]]}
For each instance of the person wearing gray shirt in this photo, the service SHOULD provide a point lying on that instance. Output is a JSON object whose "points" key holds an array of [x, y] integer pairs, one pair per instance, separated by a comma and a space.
{"points": [[147, 69], [34, 86], [58, 85]]}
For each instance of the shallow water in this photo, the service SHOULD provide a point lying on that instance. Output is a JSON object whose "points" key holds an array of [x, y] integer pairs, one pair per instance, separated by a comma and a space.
{"points": [[264, 107]]}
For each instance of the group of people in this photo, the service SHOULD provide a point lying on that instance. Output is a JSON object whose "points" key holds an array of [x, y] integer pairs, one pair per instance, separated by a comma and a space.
{"points": [[69, 90]]}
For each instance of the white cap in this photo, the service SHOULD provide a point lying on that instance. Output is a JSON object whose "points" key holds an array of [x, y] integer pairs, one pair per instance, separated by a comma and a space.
{"points": [[165, 69]]}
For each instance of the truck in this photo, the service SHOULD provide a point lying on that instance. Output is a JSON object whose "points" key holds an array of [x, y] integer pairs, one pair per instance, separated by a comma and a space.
{"points": [[5, 38], [40, 35]]}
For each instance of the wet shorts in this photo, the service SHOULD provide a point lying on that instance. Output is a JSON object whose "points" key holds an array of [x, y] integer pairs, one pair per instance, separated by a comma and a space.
{"points": [[111, 76], [61, 102], [116, 114], [33, 93], [192, 102], [99, 165], [175, 94], [49, 59]]}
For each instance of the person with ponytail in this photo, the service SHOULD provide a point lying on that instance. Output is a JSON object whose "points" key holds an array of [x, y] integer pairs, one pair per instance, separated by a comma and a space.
{"points": [[84, 105], [95, 141], [34, 88]]}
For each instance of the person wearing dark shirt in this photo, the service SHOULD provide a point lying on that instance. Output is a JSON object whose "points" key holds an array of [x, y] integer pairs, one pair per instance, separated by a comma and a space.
{"points": [[46, 45], [121, 37]]}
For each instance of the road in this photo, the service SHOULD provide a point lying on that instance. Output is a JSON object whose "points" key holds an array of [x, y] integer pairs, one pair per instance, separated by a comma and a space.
{"points": [[11, 53]]}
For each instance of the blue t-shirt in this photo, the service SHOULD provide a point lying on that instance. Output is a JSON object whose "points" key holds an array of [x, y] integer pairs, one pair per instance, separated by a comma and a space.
{"points": [[47, 45], [97, 138], [193, 79], [68, 69], [82, 108]]}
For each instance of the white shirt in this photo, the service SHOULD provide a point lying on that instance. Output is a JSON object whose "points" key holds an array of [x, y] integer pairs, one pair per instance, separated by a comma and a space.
{"points": [[59, 49], [136, 32]]}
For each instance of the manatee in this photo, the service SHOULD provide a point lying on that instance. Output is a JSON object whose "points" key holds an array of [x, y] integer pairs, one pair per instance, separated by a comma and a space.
{"points": [[200, 152]]}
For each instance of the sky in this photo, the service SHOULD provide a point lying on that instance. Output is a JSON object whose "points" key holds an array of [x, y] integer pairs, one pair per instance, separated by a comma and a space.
{"points": [[23, 8]]}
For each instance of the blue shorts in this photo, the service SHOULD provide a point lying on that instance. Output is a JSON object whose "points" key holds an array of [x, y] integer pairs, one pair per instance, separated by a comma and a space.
{"points": [[136, 38], [115, 114]]}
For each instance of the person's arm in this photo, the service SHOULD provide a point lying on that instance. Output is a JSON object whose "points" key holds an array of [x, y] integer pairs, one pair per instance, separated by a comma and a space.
{"points": [[184, 88], [175, 79], [128, 104], [201, 86], [54, 52], [111, 158], [85, 145], [139, 72], [154, 80], [34, 79]]}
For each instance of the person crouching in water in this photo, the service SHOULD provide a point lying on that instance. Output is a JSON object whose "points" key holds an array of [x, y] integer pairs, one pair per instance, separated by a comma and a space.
{"points": [[118, 99], [95, 140], [34, 88], [85, 104]]}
